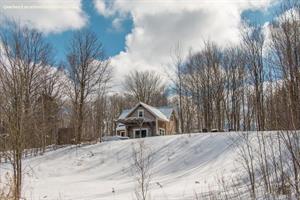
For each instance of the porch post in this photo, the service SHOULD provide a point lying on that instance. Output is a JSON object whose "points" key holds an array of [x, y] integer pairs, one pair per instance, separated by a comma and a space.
{"points": [[116, 125], [166, 129], [156, 125]]}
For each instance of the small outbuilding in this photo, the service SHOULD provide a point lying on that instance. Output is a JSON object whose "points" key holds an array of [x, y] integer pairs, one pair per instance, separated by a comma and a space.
{"points": [[66, 136]]}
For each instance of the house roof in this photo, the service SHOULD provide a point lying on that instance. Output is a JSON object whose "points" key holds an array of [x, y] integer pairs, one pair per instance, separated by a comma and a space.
{"points": [[120, 127], [162, 113], [124, 113]]}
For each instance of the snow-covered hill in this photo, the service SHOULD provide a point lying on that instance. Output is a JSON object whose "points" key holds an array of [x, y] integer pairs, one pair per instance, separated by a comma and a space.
{"points": [[182, 166]]}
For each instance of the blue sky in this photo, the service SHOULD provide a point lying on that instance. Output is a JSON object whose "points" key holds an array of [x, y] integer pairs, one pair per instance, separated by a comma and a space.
{"points": [[142, 34], [260, 17], [112, 40]]}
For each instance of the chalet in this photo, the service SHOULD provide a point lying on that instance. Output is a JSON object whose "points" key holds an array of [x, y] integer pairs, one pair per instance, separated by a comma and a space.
{"points": [[144, 120]]}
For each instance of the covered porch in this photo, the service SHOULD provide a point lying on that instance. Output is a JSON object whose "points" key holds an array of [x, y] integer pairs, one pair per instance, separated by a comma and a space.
{"points": [[136, 127]]}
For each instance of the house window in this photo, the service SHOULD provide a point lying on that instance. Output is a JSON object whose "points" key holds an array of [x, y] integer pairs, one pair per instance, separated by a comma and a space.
{"points": [[162, 131], [140, 113]]}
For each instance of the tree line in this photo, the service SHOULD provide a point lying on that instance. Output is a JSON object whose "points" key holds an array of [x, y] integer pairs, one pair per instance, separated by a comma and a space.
{"points": [[253, 85]]}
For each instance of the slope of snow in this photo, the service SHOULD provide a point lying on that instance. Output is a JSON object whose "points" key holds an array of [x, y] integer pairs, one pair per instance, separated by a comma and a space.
{"points": [[182, 164]]}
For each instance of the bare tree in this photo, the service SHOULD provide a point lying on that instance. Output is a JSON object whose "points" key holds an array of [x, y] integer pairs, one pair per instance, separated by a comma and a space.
{"points": [[213, 61], [24, 55], [142, 163], [253, 41], [146, 86], [285, 48], [89, 71], [204, 82], [177, 80], [234, 69]]}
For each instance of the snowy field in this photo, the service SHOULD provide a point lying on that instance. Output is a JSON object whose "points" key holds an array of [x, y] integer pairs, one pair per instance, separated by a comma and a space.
{"points": [[182, 166]]}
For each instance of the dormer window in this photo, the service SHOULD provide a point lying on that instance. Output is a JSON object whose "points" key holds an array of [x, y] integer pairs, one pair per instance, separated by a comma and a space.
{"points": [[140, 113]]}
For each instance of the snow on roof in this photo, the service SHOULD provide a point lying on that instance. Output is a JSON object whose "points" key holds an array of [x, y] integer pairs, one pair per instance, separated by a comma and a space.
{"points": [[124, 113], [163, 113], [120, 127], [155, 111]]}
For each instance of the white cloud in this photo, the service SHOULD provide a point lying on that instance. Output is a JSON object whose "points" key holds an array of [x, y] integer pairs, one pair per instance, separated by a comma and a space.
{"points": [[100, 6], [45, 15], [104, 8], [159, 25], [117, 24]]}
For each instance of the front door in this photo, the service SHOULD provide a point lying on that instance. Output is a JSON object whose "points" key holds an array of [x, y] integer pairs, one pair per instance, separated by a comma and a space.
{"points": [[141, 133], [144, 133]]}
